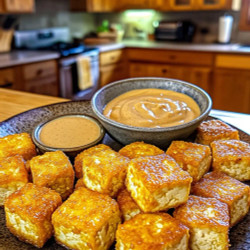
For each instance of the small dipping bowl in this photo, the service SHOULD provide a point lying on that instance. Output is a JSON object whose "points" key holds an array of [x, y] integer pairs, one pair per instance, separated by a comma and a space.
{"points": [[69, 133]]}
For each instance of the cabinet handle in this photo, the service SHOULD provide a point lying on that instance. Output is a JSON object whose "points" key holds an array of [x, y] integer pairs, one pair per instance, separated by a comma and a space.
{"points": [[6, 85], [172, 57], [164, 71], [39, 72]]}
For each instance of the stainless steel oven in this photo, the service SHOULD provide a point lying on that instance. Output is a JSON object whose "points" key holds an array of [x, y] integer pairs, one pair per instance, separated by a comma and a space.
{"points": [[58, 40], [68, 76]]}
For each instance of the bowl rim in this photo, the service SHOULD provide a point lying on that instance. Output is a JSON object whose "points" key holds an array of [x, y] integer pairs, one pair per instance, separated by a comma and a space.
{"points": [[35, 134], [146, 129]]}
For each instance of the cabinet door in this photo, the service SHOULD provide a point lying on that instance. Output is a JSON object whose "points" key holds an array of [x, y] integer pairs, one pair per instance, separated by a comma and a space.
{"points": [[41, 78], [148, 70], [101, 5], [112, 72], [200, 76], [132, 4], [213, 4], [182, 4], [19, 5], [231, 90], [245, 16], [161, 5], [7, 78], [93, 5]]}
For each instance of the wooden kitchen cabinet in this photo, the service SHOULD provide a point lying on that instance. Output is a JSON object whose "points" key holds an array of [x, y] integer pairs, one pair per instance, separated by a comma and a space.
{"points": [[182, 4], [132, 4], [231, 83], [245, 16], [93, 5], [194, 67], [161, 5], [213, 4], [113, 66], [17, 6], [40, 78], [200, 76], [186, 5], [231, 90], [170, 56], [7, 78]]}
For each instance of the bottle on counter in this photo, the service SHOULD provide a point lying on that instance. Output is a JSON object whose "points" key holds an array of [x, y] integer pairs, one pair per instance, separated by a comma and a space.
{"points": [[225, 28]]}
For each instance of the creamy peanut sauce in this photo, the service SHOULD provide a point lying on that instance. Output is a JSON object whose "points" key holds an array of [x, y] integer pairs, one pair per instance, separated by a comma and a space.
{"points": [[69, 132], [153, 108]]}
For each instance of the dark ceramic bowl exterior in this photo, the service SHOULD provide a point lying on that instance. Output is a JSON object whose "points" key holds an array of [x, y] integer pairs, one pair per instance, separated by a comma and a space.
{"points": [[71, 152], [161, 137]]}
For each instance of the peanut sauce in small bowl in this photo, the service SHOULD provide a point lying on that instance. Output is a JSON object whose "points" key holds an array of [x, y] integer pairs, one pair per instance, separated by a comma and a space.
{"points": [[68, 133]]}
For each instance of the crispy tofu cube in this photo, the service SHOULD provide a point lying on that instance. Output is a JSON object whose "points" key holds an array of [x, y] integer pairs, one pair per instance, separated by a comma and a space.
{"points": [[86, 220], [53, 170], [80, 156], [213, 130], [13, 175], [208, 221], [127, 205], [140, 149], [17, 144], [152, 231], [232, 157], [105, 171], [191, 157], [157, 183], [79, 183], [225, 189], [28, 213]]}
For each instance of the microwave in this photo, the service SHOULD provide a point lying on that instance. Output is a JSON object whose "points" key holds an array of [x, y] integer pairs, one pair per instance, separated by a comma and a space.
{"points": [[182, 31]]}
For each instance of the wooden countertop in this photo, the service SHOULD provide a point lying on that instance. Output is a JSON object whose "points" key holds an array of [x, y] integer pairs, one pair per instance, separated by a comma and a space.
{"points": [[14, 102]]}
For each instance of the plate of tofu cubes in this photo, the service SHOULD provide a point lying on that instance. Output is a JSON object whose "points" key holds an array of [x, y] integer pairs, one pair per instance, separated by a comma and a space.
{"points": [[193, 194]]}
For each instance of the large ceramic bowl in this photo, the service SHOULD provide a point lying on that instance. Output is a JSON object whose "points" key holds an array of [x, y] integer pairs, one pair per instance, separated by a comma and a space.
{"points": [[157, 136]]}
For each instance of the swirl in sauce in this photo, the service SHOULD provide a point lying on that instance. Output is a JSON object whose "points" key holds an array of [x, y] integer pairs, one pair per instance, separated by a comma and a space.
{"points": [[153, 108]]}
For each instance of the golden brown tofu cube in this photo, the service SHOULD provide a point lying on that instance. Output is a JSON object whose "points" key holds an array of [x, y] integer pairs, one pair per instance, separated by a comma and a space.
{"points": [[28, 213], [127, 205], [152, 231], [105, 171], [89, 151], [140, 149], [191, 157], [225, 189], [13, 175], [17, 144], [208, 221], [86, 220], [213, 130], [79, 183], [53, 170], [157, 183], [232, 157]]}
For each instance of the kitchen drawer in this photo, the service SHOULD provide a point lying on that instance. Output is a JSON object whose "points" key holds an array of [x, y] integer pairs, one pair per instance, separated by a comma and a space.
{"points": [[111, 57], [7, 78], [45, 86], [233, 61], [39, 70], [148, 70], [19, 5], [173, 57], [113, 72]]}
